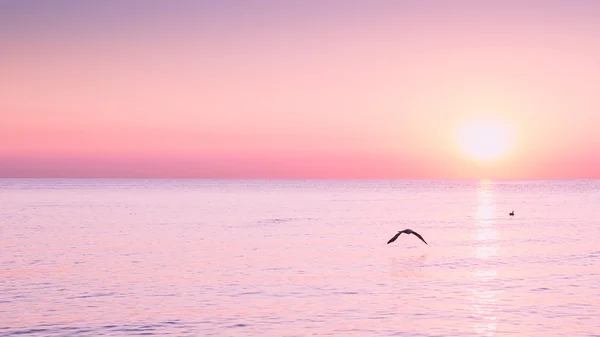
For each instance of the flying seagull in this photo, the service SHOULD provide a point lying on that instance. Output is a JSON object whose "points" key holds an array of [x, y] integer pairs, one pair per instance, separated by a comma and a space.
{"points": [[407, 231], [511, 213]]}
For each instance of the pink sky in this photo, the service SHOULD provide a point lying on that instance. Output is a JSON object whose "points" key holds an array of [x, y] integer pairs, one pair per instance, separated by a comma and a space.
{"points": [[296, 89]]}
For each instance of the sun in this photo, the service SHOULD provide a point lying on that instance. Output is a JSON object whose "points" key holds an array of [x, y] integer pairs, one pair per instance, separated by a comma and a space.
{"points": [[485, 140]]}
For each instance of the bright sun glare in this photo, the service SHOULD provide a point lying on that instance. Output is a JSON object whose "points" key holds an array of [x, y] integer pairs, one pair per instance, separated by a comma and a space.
{"points": [[485, 140]]}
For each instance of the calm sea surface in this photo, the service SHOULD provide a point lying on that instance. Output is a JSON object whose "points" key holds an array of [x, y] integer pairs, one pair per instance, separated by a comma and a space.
{"points": [[299, 258]]}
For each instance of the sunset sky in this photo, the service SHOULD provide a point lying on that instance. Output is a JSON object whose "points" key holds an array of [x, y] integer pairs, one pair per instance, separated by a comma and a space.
{"points": [[300, 89]]}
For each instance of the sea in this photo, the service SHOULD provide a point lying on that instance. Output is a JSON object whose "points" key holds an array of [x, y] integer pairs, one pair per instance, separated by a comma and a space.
{"points": [[108, 257]]}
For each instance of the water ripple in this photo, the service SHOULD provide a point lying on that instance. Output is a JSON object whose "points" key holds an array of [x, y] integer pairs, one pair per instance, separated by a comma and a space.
{"points": [[172, 258]]}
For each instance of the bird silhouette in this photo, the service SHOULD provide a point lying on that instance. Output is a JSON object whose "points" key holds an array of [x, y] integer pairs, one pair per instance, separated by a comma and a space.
{"points": [[407, 231], [512, 213]]}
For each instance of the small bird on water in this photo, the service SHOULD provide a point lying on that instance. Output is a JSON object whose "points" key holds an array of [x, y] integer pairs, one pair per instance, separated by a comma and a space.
{"points": [[512, 213], [407, 231]]}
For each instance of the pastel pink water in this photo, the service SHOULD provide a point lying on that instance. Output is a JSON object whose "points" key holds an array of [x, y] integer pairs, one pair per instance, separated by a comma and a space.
{"points": [[274, 258]]}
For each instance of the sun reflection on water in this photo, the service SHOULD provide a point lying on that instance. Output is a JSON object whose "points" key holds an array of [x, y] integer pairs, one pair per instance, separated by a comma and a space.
{"points": [[484, 298], [485, 252], [486, 205]]}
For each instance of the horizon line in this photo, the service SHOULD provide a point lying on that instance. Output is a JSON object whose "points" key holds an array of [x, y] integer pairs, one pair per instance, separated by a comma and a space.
{"points": [[296, 179]]}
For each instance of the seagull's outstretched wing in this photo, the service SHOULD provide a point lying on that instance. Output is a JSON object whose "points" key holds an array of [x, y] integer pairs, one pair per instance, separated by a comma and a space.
{"points": [[420, 237], [394, 238]]}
